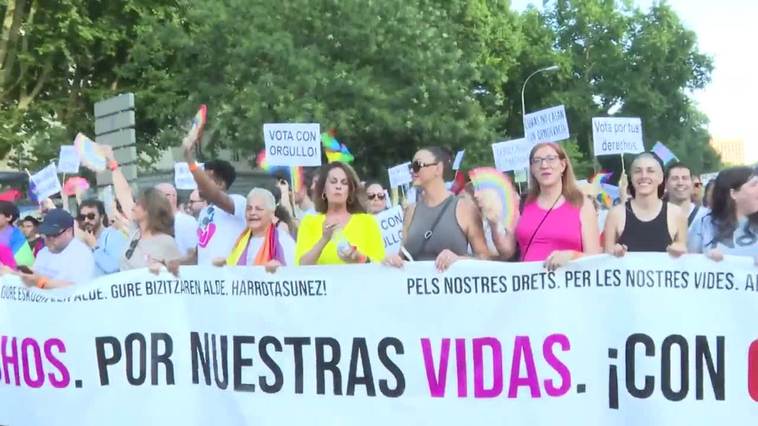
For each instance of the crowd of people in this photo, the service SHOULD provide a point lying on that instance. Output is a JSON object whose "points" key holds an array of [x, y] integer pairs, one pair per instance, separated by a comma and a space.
{"points": [[330, 220]]}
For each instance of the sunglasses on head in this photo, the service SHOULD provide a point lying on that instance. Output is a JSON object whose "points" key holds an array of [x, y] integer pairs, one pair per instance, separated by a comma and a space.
{"points": [[416, 165], [88, 216], [375, 196]]}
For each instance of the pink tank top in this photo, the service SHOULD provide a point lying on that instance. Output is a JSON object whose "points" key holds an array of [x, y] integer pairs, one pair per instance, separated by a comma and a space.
{"points": [[561, 230]]}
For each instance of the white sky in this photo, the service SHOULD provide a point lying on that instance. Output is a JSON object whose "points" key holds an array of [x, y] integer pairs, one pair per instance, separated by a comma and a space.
{"points": [[726, 30]]}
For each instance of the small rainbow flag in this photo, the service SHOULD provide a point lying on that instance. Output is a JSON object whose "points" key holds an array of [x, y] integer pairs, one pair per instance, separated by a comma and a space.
{"points": [[334, 150], [663, 153]]}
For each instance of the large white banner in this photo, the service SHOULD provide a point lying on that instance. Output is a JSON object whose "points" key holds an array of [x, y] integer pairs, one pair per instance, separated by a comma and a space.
{"points": [[647, 340]]}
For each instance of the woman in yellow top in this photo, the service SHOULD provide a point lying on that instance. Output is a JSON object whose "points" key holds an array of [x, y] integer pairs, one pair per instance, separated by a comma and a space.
{"points": [[342, 231]]}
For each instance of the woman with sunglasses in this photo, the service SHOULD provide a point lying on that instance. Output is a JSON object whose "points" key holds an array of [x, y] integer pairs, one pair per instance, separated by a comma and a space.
{"points": [[440, 226], [731, 227], [558, 223], [152, 243], [376, 198], [646, 223], [341, 231]]}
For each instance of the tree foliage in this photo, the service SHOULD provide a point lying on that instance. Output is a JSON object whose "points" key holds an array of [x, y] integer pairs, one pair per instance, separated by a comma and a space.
{"points": [[389, 76]]}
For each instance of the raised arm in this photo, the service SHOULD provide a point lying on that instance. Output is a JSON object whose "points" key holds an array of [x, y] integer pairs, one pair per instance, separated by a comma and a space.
{"points": [[205, 185], [121, 188]]}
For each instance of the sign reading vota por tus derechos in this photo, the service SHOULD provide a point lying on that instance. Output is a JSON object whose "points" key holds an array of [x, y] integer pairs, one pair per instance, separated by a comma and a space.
{"points": [[547, 125], [617, 135], [378, 346], [292, 144]]}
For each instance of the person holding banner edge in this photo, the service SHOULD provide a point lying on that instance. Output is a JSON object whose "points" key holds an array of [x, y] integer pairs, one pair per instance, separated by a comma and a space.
{"points": [[731, 228], [558, 223], [342, 231], [440, 226], [646, 222]]}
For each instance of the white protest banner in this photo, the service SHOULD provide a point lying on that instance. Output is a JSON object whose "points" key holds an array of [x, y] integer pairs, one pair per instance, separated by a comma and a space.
{"points": [[512, 155], [391, 224], [547, 125], [617, 135], [46, 183], [183, 178], [292, 144], [400, 175], [643, 340], [68, 159], [458, 159]]}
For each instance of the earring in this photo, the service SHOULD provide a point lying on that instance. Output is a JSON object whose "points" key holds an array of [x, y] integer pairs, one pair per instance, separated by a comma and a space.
{"points": [[323, 196], [350, 199]]}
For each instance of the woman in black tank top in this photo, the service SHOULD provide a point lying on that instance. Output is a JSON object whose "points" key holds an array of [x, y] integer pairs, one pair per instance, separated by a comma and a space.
{"points": [[646, 223]]}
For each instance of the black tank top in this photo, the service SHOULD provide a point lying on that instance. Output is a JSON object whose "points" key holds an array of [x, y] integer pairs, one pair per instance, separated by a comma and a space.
{"points": [[646, 236]]}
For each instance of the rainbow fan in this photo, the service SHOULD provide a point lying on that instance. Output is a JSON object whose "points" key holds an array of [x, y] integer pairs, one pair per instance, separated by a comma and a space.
{"points": [[334, 150], [296, 172], [90, 153], [598, 181], [489, 178], [262, 163]]}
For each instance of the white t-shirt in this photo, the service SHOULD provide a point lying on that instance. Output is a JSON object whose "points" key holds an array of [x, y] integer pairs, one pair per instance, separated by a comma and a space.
{"points": [[218, 230], [288, 245], [75, 263], [185, 232]]}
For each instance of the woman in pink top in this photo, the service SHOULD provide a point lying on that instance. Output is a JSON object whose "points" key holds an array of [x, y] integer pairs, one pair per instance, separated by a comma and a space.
{"points": [[558, 224]]}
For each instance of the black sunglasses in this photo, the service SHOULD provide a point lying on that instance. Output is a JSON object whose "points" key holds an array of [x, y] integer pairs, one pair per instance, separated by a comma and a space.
{"points": [[132, 246], [374, 196], [416, 165], [89, 216]]}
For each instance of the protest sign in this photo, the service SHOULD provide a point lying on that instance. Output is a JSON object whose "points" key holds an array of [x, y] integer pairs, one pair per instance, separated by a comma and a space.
{"points": [[68, 159], [391, 224], [458, 159], [512, 155], [400, 175], [643, 340], [617, 135], [547, 125], [90, 153], [707, 177], [292, 144], [183, 178], [46, 182]]}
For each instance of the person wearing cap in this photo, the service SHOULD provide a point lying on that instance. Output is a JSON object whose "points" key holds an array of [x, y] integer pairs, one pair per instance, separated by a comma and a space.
{"points": [[65, 260]]}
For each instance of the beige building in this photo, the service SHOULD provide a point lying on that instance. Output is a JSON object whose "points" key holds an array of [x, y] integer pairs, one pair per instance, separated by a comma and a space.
{"points": [[732, 150]]}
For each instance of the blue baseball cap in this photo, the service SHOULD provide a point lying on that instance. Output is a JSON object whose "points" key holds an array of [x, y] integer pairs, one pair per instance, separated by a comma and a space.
{"points": [[55, 222]]}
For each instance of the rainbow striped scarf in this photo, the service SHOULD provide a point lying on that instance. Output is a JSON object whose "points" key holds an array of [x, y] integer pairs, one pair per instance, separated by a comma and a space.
{"points": [[271, 249]]}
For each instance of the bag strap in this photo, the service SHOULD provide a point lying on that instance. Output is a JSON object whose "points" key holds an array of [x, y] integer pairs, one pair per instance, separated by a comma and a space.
{"points": [[531, 239], [428, 234], [692, 215]]}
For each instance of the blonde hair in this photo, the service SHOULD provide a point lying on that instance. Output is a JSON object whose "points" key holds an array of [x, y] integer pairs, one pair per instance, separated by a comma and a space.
{"points": [[570, 191]]}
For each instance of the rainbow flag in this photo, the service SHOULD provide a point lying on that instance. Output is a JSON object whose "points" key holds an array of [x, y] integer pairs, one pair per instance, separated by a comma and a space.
{"points": [[663, 153], [14, 239]]}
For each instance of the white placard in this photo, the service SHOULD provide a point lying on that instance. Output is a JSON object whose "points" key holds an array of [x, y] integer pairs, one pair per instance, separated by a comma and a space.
{"points": [[391, 224], [458, 159], [617, 135], [547, 125], [46, 182], [183, 178], [412, 195], [512, 155], [68, 159], [400, 175], [292, 144]]}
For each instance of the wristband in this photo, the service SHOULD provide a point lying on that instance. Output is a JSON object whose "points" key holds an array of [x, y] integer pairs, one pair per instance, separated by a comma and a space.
{"points": [[193, 166], [113, 165], [42, 282]]}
